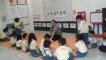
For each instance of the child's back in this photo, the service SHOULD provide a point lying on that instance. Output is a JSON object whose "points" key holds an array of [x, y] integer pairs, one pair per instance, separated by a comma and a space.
{"points": [[81, 46], [19, 43], [33, 44], [13, 40], [46, 52], [24, 45], [46, 37], [63, 52]]}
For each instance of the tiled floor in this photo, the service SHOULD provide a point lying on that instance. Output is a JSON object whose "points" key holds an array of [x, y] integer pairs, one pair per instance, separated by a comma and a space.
{"points": [[7, 53]]}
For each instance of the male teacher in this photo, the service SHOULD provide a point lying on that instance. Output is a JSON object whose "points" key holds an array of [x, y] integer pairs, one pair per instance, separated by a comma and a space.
{"points": [[55, 31]]}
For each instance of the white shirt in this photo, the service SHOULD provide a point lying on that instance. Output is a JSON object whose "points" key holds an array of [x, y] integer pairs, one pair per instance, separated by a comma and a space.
{"points": [[3, 35], [19, 43], [46, 51], [92, 40], [41, 44], [83, 27], [12, 40], [80, 45], [24, 45], [17, 24], [33, 45], [104, 43], [62, 52]]}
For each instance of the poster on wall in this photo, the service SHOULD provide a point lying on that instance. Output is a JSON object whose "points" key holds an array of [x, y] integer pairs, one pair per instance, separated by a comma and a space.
{"points": [[19, 11], [3, 18], [74, 15], [65, 25], [18, 2], [13, 2], [83, 14], [22, 1], [36, 17], [72, 25], [96, 18], [44, 24], [60, 25], [48, 25]]}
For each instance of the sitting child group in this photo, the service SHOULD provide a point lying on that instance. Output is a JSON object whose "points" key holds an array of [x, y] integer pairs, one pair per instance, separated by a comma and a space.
{"points": [[27, 42]]}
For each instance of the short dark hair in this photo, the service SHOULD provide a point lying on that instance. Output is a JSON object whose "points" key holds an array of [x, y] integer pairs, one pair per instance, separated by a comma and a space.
{"points": [[54, 21], [89, 27], [19, 37], [62, 41], [16, 19], [47, 43], [30, 37], [79, 37], [79, 17], [47, 36], [5, 30], [24, 35], [13, 34]]}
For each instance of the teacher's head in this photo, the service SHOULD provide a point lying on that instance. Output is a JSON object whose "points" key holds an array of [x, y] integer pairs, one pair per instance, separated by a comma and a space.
{"points": [[53, 23]]}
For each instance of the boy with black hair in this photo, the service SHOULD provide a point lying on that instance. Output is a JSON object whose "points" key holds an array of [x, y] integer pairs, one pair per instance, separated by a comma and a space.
{"points": [[82, 28], [47, 52], [3, 36], [63, 52]]}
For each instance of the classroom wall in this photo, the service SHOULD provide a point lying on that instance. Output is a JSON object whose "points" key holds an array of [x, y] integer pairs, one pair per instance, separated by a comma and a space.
{"points": [[88, 6], [57, 5], [37, 10], [7, 12], [2, 13], [42, 7]]}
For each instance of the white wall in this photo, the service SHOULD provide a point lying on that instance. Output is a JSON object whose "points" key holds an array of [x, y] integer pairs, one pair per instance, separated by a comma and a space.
{"points": [[54, 5], [30, 27], [88, 6], [2, 13], [37, 9]]}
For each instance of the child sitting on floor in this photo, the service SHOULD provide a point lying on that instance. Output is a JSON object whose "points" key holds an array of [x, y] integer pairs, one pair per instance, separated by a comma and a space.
{"points": [[19, 42], [25, 43], [47, 53], [32, 40], [102, 48], [92, 40], [3, 36], [46, 37], [13, 39], [80, 47], [63, 52]]}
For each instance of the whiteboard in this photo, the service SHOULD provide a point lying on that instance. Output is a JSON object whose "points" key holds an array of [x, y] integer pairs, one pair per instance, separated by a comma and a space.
{"points": [[19, 11], [96, 17]]}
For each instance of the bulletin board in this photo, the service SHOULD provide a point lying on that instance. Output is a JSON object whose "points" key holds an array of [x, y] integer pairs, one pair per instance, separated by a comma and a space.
{"points": [[96, 18], [19, 11]]}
